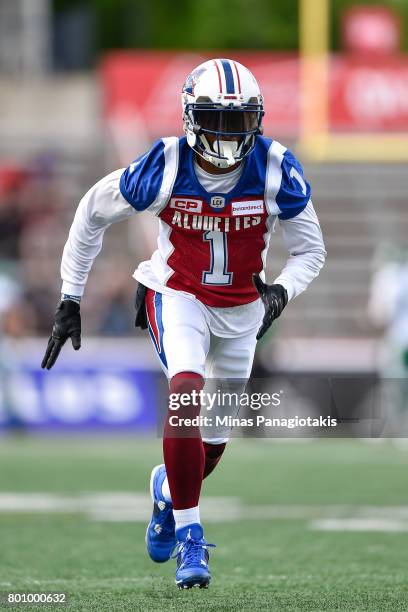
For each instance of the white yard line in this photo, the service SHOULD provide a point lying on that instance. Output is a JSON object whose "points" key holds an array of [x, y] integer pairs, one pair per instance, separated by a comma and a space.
{"points": [[136, 507], [110, 506]]}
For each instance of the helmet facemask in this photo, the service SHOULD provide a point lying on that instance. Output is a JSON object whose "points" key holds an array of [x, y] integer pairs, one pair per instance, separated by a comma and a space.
{"points": [[223, 135]]}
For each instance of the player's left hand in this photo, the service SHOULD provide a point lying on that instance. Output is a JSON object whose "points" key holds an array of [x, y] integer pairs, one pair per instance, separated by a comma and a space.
{"points": [[274, 297]]}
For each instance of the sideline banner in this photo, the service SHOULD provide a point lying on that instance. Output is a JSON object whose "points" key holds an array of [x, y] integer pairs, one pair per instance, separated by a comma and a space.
{"points": [[106, 386], [141, 89]]}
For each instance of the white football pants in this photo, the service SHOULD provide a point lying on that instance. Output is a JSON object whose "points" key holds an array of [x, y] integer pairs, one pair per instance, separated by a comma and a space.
{"points": [[180, 331]]}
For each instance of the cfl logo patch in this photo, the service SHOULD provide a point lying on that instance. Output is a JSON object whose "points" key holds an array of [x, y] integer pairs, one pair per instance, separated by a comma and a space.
{"points": [[187, 204], [217, 202]]}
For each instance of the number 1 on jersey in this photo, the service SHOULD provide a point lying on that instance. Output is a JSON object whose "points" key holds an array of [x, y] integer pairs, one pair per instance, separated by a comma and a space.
{"points": [[217, 275]]}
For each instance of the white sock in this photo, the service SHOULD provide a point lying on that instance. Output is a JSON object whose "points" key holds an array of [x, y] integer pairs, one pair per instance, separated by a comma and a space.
{"points": [[186, 517], [166, 490]]}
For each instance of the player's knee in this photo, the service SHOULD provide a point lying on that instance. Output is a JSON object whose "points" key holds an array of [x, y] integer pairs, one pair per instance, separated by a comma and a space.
{"points": [[184, 396], [186, 382]]}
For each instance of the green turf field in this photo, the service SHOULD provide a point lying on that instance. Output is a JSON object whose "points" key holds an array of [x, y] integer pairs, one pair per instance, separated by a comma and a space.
{"points": [[317, 525]]}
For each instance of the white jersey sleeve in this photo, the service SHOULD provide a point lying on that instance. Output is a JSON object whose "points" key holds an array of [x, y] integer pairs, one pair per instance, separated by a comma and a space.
{"points": [[101, 206], [303, 239], [145, 185]]}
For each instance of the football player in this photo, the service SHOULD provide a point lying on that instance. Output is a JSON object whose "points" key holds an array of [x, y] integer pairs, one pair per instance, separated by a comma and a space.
{"points": [[217, 193]]}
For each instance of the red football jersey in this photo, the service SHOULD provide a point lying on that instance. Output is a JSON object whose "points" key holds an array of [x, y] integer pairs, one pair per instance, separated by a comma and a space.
{"points": [[210, 244]]}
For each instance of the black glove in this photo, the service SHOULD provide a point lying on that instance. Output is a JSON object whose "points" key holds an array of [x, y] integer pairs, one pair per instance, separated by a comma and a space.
{"points": [[140, 305], [67, 324], [274, 297]]}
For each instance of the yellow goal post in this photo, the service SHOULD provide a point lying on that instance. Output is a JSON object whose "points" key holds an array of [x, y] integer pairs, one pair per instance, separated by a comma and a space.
{"points": [[316, 141]]}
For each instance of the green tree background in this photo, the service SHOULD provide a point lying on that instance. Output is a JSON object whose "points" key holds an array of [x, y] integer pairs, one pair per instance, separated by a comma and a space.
{"points": [[208, 24]]}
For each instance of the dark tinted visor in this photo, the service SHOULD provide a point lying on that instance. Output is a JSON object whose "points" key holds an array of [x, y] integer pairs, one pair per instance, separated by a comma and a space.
{"points": [[227, 121]]}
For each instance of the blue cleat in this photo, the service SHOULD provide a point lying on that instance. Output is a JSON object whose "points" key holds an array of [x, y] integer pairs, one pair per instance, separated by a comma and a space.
{"points": [[192, 558], [161, 531]]}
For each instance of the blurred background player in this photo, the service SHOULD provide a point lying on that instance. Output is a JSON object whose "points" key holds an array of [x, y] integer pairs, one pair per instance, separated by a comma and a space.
{"points": [[388, 311]]}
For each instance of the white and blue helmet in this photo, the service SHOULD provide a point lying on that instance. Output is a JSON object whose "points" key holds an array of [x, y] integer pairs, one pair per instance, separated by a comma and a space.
{"points": [[222, 111]]}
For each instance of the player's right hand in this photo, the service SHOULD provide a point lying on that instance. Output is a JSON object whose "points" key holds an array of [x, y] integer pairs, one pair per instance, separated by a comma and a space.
{"points": [[140, 306], [67, 324]]}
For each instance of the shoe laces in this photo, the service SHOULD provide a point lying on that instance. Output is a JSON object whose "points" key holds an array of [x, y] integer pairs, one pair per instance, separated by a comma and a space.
{"points": [[191, 549]]}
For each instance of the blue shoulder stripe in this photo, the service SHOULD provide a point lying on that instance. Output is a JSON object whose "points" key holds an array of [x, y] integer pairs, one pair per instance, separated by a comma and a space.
{"points": [[141, 181], [295, 191]]}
